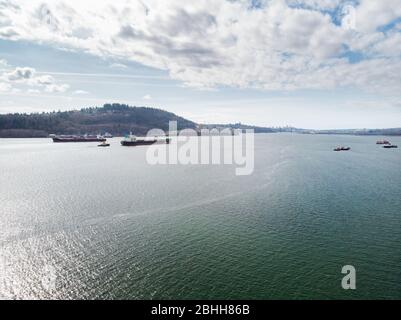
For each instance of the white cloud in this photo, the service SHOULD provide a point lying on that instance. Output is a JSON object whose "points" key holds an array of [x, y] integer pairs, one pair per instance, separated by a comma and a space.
{"points": [[147, 97], [56, 88], [20, 74], [43, 80], [11, 81], [5, 87], [373, 14], [33, 91], [276, 45], [80, 92], [3, 63], [118, 66]]}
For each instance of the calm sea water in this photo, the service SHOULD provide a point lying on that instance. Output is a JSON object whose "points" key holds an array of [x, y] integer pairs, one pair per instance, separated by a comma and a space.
{"points": [[107, 225]]}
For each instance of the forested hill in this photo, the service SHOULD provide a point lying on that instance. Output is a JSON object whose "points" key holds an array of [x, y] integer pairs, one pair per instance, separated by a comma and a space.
{"points": [[117, 119]]}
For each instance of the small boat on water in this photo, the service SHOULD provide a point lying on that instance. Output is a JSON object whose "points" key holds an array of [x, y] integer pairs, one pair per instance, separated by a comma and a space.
{"points": [[133, 141], [391, 146], [342, 149], [386, 142], [104, 144]]}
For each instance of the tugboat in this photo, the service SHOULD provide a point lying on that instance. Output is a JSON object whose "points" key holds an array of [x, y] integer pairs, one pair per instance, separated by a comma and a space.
{"points": [[383, 142], [391, 146], [133, 141], [342, 149], [104, 144]]}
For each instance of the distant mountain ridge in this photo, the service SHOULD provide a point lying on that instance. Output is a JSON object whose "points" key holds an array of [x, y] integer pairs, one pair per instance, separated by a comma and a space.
{"points": [[120, 119], [360, 132]]}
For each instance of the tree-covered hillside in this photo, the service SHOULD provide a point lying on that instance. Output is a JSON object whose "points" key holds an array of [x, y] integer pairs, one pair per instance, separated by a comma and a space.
{"points": [[117, 119]]}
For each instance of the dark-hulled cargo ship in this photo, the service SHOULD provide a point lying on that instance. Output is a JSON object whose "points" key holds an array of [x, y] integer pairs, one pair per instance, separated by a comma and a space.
{"points": [[133, 141], [85, 138]]}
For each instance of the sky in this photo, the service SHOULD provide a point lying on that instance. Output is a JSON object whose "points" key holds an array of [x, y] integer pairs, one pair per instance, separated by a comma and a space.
{"points": [[318, 64]]}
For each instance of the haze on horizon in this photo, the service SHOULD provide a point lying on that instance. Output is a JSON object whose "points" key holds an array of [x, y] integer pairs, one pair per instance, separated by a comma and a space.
{"points": [[320, 64]]}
